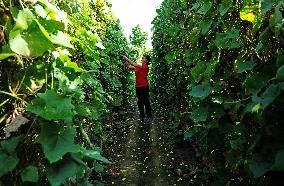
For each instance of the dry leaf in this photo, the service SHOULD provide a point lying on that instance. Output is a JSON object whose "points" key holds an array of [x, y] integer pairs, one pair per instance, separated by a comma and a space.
{"points": [[15, 125]]}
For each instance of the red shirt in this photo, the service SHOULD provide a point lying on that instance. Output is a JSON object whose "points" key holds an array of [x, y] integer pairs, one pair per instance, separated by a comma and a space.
{"points": [[141, 76]]}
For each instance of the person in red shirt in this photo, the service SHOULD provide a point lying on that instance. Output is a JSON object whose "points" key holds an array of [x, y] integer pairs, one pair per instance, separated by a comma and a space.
{"points": [[142, 84]]}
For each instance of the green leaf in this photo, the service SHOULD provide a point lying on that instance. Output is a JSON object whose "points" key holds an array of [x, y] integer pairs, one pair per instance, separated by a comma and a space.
{"points": [[265, 5], [278, 19], [54, 13], [259, 46], [52, 106], [26, 38], [224, 7], [72, 87], [280, 58], [40, 11], [170, 57], [61, 39], [8, 163], [23, 19], [30, 174], [117, 100], [205, 26], [11, 144], [256, 108], [279, 161], [228, 39], [100, 45], [188, 134], [201, 91], [62, 170], [205, 7], [87, 110], [99, 168], [73, 65], [280, 73], [51, 26], [262, 39], [243, 66], [212, 125], [6, 55], [199, 114], [57, 141], [259, 166], [268, 96], [195, 6], [237, 144], [247, 13], [254, 83], [95, 155]]}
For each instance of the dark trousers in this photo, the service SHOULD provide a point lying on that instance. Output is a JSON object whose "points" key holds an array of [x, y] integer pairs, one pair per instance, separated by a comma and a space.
{"points": [[142, 94]]}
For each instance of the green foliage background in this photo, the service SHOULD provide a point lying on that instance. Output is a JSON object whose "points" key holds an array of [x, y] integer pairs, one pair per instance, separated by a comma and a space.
{"points": [[217, 75], [61, 79]]}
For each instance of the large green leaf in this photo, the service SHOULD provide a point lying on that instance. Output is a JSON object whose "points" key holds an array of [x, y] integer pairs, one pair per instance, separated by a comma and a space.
{"points": [[8, 163], [26, 38], [51, 26], [62, 170], [54, 13], [52, 106], [23, 19], [30, 174], [57, 140], [201, 91], [243, 66]]}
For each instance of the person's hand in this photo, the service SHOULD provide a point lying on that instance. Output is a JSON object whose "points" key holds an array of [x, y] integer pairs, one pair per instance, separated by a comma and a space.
{"points": [[122, 56]]}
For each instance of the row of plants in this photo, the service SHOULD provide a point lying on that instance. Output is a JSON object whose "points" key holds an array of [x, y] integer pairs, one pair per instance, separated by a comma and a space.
{"points": [[218, 75], [60, 80]]}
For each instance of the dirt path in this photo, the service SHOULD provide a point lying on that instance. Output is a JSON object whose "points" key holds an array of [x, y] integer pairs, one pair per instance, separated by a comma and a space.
{"points": [[140, 157]]}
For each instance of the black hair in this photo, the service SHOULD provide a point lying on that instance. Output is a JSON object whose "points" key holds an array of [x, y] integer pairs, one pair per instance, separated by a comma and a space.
{"points": [[148, 58]]}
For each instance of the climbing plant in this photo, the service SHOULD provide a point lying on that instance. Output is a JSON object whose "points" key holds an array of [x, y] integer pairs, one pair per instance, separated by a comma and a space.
{"points": [[61, 77], [218, 75]]}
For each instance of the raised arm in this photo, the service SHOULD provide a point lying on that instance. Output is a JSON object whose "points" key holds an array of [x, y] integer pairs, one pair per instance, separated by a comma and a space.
{"points": [[131, 63], [129, 66]]}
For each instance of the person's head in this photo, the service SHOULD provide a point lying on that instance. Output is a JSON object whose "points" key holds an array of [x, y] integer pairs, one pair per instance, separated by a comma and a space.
{"points": [[146, 59]]}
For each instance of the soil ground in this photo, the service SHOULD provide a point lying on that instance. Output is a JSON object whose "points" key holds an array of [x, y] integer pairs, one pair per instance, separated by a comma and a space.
{"points": [[140, 156]]}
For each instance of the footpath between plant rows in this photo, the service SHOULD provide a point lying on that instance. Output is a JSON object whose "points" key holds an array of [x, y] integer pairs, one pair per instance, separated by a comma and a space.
{"points": [[140, 156]]}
